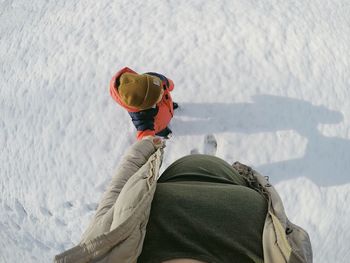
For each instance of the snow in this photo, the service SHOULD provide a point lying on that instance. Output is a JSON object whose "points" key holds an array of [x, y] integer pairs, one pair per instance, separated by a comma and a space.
{"points": [[270, 79]]}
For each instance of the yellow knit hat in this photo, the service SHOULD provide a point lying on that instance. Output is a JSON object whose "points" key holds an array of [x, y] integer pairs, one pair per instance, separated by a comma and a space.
{"points": [[139, 91]]}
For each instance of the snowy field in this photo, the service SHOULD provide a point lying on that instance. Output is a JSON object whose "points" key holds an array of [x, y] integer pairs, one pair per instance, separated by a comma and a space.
{"points": [[270, 79]]}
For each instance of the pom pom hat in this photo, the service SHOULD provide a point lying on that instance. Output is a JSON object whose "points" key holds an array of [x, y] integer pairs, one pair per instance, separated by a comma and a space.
{"points": [[139, 91]]}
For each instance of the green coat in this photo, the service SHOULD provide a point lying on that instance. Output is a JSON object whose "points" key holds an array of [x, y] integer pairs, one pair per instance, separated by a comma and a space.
{"points": [[118, 228]]}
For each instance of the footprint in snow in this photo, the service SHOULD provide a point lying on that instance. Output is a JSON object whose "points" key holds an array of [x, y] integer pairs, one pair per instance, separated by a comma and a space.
{"points": [[90, 207], [45, 211], [68, 204], [20, 211], [60, 222]]}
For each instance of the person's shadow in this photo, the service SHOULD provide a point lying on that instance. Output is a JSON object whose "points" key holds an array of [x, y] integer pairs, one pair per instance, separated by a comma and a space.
{"points": [[324, 161]]}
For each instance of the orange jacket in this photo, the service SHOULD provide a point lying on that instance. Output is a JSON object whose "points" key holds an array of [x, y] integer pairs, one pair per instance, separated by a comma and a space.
{"points": [[165, 106]]}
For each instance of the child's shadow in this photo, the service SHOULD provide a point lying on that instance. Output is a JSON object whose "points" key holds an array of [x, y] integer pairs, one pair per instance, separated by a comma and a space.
{"points": [[324, 161]]}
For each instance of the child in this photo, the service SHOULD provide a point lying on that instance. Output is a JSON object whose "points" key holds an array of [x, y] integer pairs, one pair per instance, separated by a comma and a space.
{"points": [[147, 99]]}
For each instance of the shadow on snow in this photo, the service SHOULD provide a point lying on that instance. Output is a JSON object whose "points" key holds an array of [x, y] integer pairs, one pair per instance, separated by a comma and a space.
{"points": [[324, 158]]}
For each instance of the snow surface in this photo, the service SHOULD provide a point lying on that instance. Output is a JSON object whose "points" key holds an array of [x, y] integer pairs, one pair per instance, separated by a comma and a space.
{"points": [[270, 79]]}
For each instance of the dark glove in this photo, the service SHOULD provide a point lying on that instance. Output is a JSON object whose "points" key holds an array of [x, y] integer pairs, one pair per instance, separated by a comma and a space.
{"points": [[144, 120]]}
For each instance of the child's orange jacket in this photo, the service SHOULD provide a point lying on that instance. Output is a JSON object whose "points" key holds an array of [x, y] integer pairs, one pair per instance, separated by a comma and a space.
{"points": [[164, 108]]}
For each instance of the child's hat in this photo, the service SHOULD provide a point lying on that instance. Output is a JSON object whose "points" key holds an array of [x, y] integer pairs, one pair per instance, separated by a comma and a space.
{"points": [[139, 91]]}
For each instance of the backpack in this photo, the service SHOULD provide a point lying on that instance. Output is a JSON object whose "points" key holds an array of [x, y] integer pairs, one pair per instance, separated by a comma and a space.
{"points": [[283, 241]]}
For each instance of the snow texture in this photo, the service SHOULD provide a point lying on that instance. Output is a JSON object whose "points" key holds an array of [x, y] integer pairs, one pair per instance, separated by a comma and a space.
{"points": [[269, 79]]}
